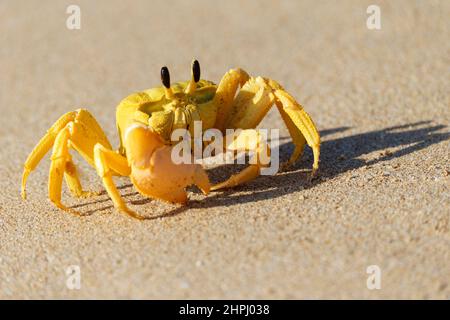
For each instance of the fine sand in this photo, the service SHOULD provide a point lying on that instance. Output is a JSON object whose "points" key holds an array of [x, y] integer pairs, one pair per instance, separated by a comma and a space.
{"points": [[379, 97]]}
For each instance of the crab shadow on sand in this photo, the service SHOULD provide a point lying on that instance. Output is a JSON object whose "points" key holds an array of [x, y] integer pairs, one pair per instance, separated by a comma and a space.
{"points": [[338, 156]]}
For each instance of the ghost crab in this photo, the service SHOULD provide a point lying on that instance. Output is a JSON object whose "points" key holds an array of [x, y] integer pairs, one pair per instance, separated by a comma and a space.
{"points": [[145, 121]]}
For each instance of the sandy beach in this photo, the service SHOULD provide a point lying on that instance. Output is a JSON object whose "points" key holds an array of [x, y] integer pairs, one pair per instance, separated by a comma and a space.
{"points": [[380, 99]]}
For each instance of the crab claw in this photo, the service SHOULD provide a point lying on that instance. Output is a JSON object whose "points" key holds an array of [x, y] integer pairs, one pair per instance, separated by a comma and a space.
{"points": [[154, 173]]}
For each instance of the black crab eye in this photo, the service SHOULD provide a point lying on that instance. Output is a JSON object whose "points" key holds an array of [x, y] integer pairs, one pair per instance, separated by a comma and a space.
{"points": [[165, 77], [196, 70]]}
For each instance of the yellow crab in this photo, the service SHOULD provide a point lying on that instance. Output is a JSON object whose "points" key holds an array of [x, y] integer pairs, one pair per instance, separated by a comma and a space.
{"points": [[145, 121]]}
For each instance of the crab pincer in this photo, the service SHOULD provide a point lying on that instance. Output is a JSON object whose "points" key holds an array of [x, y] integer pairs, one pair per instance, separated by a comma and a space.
{"points": [[153, 171]]}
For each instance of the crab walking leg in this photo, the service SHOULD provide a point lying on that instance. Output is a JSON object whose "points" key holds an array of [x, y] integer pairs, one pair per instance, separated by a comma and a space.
{"points": [[83, 133], [226, 90], [249, 107], [73, 181], [43, 146], [108, 162], [62, 166], [59, 158], [303, 122], [297, 137], [247, 140], [253, 102]]}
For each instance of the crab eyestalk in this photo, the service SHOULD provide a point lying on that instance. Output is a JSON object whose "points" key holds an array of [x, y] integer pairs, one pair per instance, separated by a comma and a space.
{"points": [[165, 78], [195, 77]]}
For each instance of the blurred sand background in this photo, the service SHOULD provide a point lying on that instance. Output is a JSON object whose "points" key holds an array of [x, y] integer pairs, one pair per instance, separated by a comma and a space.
{"points": [[380, 98]]}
